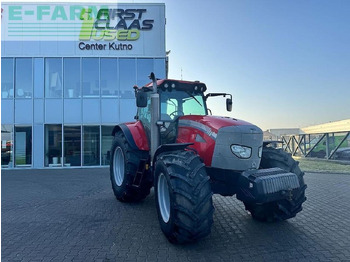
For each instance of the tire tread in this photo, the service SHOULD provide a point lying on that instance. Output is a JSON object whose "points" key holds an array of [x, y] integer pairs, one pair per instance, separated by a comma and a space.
{"points": [[129, 192], [193, 196]]}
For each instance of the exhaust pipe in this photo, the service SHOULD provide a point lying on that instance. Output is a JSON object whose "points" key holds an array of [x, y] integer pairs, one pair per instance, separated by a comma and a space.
{"points": [[155, 136]]}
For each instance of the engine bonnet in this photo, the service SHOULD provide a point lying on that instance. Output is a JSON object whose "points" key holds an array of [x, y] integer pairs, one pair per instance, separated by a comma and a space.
{"points": [[214, 122], [222, 132]]}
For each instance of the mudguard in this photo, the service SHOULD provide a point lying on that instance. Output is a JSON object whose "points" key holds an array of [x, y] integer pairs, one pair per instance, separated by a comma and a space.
{"points": [[134, 133], [169, 147]]}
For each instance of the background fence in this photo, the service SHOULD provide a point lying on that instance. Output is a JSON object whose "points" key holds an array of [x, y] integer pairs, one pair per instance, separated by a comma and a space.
{"points": [[332, 145]]}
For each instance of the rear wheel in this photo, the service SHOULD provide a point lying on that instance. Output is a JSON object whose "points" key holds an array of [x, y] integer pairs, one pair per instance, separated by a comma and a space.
{"points": [[286, 208], [123, 167], [183, 196]]}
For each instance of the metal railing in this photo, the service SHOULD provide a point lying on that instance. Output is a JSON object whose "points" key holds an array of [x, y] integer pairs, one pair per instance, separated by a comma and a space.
{"points": [[334, 145]]}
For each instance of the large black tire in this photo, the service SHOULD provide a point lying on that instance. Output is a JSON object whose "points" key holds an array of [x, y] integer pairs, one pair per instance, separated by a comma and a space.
{"points": [[286, 208], [183, 196], [122, 175]]}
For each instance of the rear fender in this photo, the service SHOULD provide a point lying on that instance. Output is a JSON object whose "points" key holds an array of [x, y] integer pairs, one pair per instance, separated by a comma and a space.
{"points": [[134, 133]]}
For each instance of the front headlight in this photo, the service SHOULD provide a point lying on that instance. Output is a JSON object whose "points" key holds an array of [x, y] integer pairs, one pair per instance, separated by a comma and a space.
{"points": [[241, 151]]}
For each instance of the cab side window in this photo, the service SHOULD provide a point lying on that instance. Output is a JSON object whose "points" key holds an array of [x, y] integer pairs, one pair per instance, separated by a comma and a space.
{"points": [[144, 115]]}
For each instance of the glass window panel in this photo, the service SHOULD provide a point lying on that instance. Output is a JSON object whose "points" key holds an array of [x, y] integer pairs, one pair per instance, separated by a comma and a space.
{"points": [[193, 105], [144, 69], [159, 68], [23, 145], [71, 69], [107, 140], [177, 103], [39, 76], [109, 79], [91, 145], [127, 77], [72, 146], [53, 145], [90, 77], [7, 78], [144, 115], [6, 146], [24, 78], [53, 77]]}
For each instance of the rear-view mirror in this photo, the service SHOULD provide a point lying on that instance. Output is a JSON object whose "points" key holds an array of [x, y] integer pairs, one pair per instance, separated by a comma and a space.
{"points": [[141, 99], [229, 104]]}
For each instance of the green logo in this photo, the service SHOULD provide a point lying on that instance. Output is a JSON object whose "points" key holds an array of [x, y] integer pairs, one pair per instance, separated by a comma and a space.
{"points": [[113, 24]]}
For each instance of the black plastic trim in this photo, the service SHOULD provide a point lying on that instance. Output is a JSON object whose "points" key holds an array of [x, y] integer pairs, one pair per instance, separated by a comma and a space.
{"points": [[126, 131], [169, 147]]}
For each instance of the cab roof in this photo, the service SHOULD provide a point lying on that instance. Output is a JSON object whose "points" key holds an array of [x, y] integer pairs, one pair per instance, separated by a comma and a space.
{"points": [[171, 84]]}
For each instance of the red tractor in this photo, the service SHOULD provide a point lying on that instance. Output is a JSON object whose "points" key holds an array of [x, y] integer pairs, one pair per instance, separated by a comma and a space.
{"points": [[187, 155]]}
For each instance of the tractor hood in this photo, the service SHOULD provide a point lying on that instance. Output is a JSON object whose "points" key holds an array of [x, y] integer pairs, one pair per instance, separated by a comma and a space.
{"points": [[212, 137], [213, 122]]}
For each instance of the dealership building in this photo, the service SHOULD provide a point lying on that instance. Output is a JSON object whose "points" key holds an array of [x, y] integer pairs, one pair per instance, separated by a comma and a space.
{"points": [[67, 77]]}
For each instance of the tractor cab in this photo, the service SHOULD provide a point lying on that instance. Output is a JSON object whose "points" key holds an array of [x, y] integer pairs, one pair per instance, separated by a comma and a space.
{"points": [[176, 98]]}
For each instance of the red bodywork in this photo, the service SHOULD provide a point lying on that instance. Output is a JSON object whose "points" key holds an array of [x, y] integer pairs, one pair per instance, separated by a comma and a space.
{"points": [[139, 135], [207, 128]]}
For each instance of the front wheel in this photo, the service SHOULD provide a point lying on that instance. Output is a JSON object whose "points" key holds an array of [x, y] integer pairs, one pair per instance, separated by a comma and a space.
{"points": [[183, 196], [286, 208]]}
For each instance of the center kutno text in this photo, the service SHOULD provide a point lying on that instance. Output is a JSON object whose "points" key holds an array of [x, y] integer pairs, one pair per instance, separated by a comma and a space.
{"points": [[110, 46]]}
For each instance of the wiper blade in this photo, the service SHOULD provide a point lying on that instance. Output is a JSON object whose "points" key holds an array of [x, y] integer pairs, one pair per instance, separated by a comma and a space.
{"points": [[192, 96]]}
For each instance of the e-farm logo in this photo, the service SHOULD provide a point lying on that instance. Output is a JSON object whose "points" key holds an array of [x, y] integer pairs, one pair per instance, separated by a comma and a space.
{"points": [[86, 23]]}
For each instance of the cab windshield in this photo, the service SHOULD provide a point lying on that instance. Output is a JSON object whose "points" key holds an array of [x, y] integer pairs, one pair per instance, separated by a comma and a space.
{"points": [[179, 103]]}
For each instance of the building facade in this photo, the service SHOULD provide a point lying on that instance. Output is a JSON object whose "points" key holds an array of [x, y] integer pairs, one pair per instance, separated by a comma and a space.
{"points": [[67, 77]]}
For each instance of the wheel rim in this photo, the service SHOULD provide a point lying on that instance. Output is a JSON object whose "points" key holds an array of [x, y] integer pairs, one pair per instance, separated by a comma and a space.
{"points": [[163, 198], [118, 166]]}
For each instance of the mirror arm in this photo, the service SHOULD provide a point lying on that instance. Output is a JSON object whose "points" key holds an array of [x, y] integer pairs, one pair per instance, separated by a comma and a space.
{"points": [[216, 94]]}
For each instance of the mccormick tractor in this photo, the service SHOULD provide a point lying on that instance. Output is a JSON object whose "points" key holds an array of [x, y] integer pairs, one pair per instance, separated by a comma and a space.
{"points": [[187, 155]]}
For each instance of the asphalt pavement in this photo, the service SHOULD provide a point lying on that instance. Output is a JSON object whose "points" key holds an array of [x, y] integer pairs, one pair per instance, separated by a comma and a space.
{"points": [[72, 215]]}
